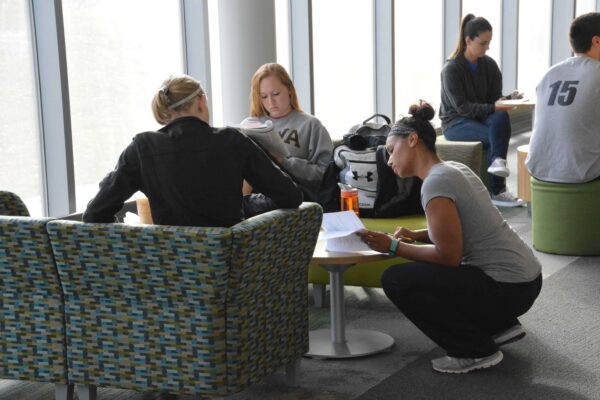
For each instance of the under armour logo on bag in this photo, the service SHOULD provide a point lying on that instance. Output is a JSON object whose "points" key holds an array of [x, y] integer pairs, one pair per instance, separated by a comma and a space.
{"points": [[369, 175]]}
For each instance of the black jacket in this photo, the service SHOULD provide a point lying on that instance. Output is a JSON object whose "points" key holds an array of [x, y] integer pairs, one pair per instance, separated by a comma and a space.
{"points": [[192, 175], [467, 93]]}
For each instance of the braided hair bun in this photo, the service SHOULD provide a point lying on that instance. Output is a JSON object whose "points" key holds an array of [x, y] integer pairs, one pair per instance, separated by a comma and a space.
{"points": [[422, 110]]}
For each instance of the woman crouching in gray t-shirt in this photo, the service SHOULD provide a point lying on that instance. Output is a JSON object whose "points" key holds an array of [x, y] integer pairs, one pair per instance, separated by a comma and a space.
{"points": [[475, 276]]}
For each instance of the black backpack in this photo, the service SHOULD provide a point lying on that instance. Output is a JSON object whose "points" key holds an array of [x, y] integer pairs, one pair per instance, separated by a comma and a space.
{"points": [[362, 163], [367, 135]]}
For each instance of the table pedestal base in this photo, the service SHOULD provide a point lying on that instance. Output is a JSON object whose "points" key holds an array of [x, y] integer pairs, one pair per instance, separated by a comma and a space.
{"points": [[358, 343]]}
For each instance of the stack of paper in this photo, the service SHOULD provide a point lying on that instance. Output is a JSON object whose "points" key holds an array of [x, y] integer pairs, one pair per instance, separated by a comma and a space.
{"points": [[339, 230]]}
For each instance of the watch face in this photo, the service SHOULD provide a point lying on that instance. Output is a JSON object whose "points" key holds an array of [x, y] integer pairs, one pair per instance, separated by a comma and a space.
{"points": [[393, 246]]}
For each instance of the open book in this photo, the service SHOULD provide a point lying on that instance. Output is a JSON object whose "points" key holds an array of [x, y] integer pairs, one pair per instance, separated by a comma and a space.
{"points": [[339, 230], [264, 135]]}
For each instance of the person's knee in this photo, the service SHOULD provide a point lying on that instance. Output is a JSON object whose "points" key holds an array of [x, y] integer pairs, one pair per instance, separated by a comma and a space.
{"points": [[388, 278], [500, 118], [391, 279], [502, 115]]}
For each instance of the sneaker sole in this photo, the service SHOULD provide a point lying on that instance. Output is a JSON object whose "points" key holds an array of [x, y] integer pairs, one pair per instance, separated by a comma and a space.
{"points": [[509, 204], [474, 367], [513, 339], [500, 173]]}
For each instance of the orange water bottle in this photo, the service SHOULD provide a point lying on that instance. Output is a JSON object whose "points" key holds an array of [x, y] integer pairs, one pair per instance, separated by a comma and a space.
{"points": [[349, 198]]}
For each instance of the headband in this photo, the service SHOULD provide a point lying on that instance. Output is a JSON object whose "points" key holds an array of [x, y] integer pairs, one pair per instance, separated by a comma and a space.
{"points": [[186, 99], [401, 130]]}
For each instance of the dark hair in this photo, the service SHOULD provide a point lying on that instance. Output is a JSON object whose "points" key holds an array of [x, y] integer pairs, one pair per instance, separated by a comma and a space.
{"points": [[583, 29], [421, 113], [470, 26]]}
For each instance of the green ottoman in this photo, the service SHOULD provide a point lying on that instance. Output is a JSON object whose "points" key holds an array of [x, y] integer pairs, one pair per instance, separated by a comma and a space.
{"points": [[566, 217]]}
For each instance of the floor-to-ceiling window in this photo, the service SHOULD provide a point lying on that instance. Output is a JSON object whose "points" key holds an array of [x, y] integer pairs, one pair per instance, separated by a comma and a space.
{"points": [[343, 63], [584, 6], [282, 32], [492, 11], [118, 53], [216, 114], [418, 53], [535, 23], [20, 155]]}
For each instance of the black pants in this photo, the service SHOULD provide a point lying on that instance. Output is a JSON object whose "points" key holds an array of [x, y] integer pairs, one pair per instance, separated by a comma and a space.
{"points": [[461, 308]]}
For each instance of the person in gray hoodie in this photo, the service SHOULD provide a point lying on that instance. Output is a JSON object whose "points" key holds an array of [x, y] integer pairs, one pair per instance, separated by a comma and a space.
{"points": [[471, 86], [308, 144]]}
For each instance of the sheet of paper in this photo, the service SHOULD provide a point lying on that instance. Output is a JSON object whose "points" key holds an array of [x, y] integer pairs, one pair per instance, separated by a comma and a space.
{"points": [[341, 221], [339, 229], [347, 243]]}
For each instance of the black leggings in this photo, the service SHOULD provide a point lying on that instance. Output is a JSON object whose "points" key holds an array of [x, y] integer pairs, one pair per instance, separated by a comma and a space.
{"points": [[460, 309]]}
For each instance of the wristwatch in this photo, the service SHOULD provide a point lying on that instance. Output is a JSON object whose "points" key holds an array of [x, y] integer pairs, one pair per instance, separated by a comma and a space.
{"points": [[393, 247]]}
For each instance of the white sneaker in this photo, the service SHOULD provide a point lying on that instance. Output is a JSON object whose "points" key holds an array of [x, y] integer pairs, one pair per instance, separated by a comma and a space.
{"points": [[499, 168], [507, 199], [455, 365]]}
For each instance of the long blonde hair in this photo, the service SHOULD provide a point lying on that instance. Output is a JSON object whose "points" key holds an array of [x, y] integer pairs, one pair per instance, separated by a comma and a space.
{"points": [[265, 70], [173, 96]]}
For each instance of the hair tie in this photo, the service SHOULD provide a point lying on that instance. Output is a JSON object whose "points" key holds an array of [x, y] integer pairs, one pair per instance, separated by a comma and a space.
{"points": [[165, 90]]}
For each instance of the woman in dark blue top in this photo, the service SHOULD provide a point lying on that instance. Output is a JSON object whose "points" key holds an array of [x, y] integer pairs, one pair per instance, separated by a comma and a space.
{"points": [[471, 86]]}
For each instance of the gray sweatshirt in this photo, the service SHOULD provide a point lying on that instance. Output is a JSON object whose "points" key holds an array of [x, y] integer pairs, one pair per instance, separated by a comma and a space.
{"points": [[310, 148]]}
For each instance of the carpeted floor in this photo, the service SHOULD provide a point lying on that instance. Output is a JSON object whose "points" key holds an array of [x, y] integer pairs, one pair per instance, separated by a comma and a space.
{"points": [[558, 359]]}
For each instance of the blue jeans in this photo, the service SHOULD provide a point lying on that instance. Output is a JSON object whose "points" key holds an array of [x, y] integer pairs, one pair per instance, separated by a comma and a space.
{"points": [[494, 133]]}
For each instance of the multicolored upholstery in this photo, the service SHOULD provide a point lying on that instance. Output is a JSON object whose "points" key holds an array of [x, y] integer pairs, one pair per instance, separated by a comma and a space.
{"points": [[11, 204], [32, 333], [185, 309], [267, 315]]}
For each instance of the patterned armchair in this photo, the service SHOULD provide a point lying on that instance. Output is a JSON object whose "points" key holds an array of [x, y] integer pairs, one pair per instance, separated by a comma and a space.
{"points": [[32, 330], [11, 204], [191, 310]]}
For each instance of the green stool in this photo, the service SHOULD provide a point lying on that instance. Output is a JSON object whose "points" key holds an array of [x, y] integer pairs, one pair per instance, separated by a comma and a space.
{"points": [[566, 217]]}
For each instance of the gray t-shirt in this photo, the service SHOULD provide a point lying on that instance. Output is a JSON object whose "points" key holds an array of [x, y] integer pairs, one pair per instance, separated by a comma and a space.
{"points": [[489, 243], [565, 143]]}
